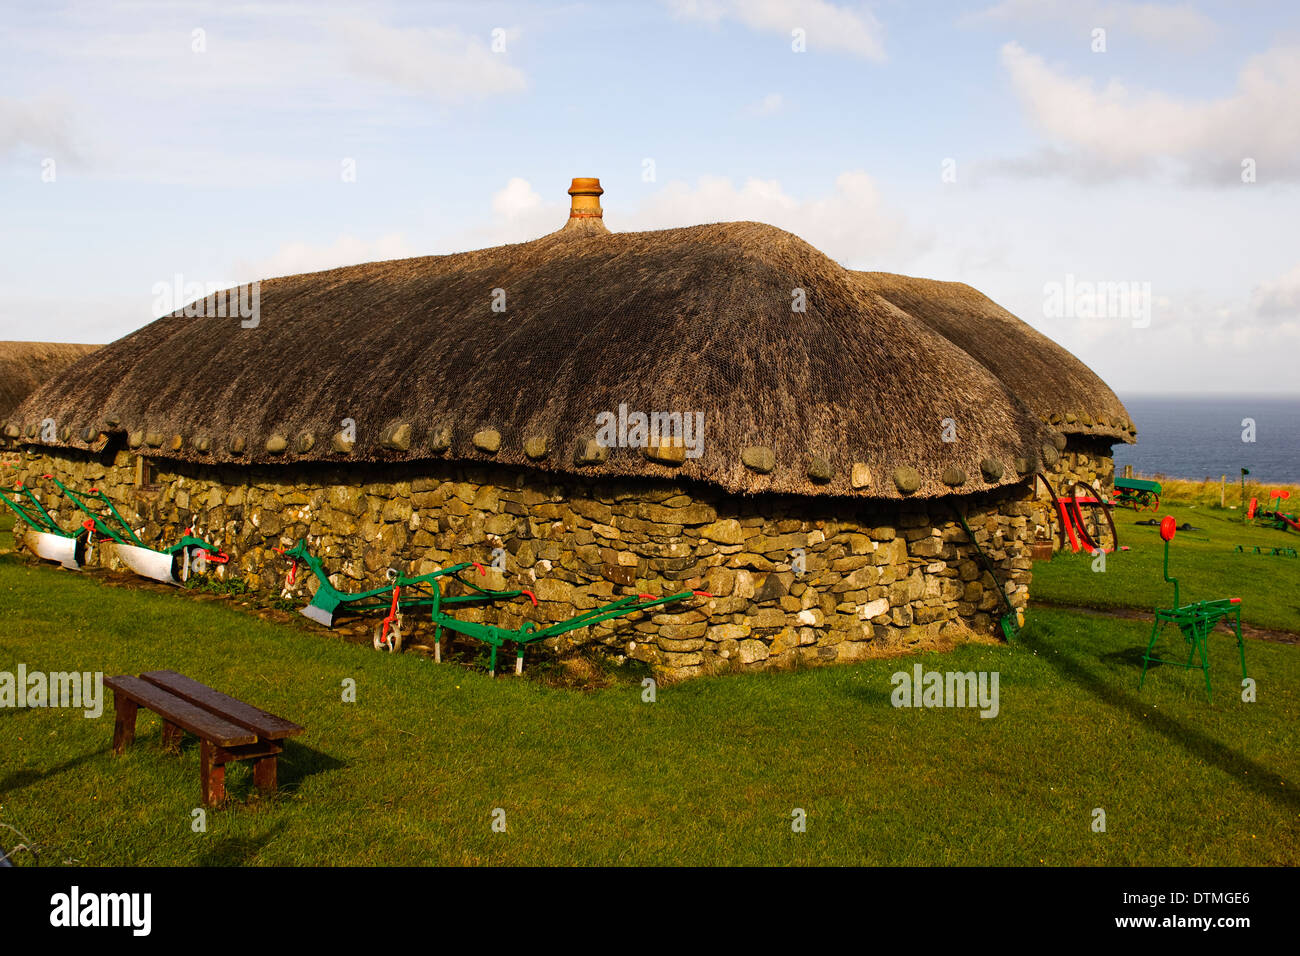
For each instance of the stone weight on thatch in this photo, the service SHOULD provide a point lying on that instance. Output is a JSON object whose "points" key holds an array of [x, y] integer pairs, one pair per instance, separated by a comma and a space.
{"points": [[306, 442], [12, 430], [907, 479], [953, 476], [341, 444], [440, 439], [203, 444], [176, 444], [1026, 466], [536, 447], [860, 475], [991, 468], [238, 445], [820, 470], [135, 439], [488, 440], [276, 444], [588, 451], [1059, 441], [89, 434], [1049, 455], [667, 453], [153, 439], [397, 436], [758, 458]]}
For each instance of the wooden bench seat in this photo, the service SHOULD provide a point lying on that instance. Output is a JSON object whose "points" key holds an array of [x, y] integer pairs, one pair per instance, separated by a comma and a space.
{"points": [[228, 728], [266, 726]]}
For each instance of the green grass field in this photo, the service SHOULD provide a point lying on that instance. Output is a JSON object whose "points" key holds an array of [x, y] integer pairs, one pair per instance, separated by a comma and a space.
{"points": [[1205, 562], [710, 773]]}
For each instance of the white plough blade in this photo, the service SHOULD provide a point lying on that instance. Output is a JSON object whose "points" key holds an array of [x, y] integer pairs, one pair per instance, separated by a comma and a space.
{"points": [[147, 563], [55, 547]]}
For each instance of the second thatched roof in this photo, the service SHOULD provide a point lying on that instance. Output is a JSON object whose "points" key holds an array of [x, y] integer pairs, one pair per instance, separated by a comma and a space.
{"points": [[25, 365], [1055, 385]]}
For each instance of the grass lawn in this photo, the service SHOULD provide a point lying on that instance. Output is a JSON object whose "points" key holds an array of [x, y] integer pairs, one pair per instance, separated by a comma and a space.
{"points": [[708, 774], [1205, 562]]}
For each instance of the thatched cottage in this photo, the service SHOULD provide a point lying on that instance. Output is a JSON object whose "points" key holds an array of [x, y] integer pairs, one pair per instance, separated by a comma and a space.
{"points": [[818, 428], [25, 365]]}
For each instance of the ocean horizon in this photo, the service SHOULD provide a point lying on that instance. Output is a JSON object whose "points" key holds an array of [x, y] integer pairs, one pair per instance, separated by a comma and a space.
{"points": [[1200, 437]]}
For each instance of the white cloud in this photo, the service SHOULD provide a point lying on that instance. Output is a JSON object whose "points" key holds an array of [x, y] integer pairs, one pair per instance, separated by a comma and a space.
{"points": [[1120, 130], [827, 26], [516, 200], [442, 63], [772, 103], [852, 224], [44, 125], [1278, 300], [1176, 24]]}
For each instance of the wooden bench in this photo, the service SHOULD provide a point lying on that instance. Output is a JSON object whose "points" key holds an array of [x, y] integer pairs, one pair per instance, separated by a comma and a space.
{"points": [[228, 728]]}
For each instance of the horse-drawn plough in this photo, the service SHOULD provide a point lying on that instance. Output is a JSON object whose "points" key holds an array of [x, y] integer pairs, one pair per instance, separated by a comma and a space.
{"points": [[403, 593], [72, 549]]}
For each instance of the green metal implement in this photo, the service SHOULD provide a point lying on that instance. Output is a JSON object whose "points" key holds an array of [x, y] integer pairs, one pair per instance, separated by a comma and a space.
{"points": [[167, 565], [1137, 493], [32, 511], [1195, 621], [45, 538], [101, 525], [404, 592]]}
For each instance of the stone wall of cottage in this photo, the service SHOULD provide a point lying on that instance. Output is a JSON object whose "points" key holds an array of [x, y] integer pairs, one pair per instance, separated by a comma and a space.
{"points": [[792, 579]]}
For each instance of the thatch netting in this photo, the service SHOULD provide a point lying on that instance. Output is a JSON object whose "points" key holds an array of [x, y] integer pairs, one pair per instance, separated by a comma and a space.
{"points": [[679, 320], [1053, 383], [25, 365]]}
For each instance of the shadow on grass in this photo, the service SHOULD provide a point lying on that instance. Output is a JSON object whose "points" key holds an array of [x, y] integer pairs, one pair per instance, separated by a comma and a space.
{"points": [[1248, 772], [26, 777], [300, 761], [237, 851]]}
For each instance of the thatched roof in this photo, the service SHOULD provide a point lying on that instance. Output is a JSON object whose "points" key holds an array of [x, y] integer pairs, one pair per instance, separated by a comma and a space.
{"points": [[25, 365], [847, 398], [1054, 384]]}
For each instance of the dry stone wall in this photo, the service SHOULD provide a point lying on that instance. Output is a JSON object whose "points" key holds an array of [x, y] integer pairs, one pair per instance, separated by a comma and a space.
{"points": [[793, 580]]}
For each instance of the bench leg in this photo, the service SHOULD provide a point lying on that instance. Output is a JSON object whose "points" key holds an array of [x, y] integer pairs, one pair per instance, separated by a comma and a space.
{"points": [[212, 776], [124, 711], [264, 775], [171, 737]]}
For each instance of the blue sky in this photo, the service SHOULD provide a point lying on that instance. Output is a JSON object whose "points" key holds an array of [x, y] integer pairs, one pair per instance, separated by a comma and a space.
{"points": [[218, 155]]}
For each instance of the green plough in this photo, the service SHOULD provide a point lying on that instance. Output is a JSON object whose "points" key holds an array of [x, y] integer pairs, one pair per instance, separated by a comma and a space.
{"points": [[44, 538], [403, 592], [47, 540]]}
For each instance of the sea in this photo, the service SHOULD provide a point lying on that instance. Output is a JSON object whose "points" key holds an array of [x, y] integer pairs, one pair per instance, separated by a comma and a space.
{"points": [[1206, 437]]}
